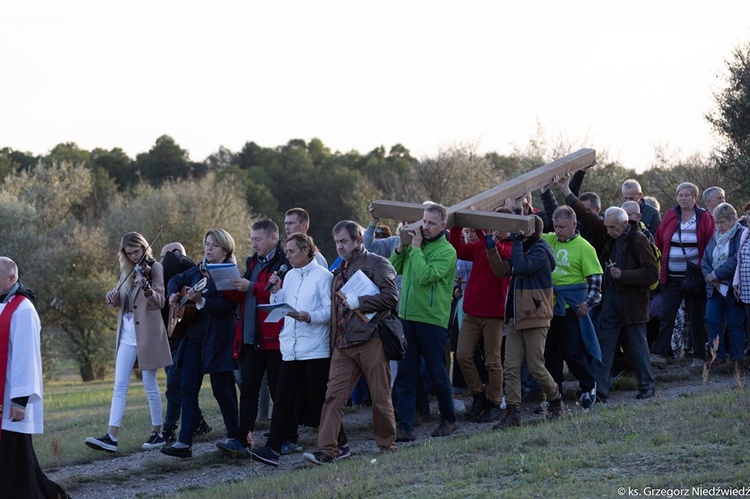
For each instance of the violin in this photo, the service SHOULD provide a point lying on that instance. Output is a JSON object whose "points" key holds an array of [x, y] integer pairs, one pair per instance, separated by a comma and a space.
{"points": [[143, 275]]}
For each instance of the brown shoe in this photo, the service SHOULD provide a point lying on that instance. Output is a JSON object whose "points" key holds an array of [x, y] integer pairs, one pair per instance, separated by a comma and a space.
{"points": [[556, 409], [512, 418], [444, 429]]}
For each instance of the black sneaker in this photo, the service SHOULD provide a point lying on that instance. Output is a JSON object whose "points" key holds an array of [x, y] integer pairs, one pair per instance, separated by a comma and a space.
{"points": [[588, 399], [490, 414], [289, 447], [154, 441], [169, 436], [265, 455], [104, 443], [232, 447], [177, 452], [343, 452], [645, 394], [403, 435], [318, 458], [478, 404], [202, 429]]}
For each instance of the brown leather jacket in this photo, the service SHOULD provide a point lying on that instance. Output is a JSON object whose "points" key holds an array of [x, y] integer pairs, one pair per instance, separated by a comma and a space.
{"points": [[381, 272]]}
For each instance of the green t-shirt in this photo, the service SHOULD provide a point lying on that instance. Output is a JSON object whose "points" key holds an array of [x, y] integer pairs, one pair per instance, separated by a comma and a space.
{"points": [[574, 260]]}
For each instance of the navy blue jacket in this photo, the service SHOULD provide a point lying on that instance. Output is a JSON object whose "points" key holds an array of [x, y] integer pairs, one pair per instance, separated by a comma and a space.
{"points": [[214, 323]]}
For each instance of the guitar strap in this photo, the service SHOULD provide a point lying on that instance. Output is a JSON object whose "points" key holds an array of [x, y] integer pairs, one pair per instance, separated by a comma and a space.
{"points": [[5, 317]]}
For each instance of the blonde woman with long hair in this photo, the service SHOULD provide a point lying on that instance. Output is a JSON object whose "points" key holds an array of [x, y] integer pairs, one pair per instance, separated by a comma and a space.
{"points": [[141, 337]]}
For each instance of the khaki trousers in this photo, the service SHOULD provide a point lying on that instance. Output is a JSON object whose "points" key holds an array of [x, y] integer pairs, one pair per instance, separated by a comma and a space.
{"points": [[490, 330], [347, 365], [528, 343]]}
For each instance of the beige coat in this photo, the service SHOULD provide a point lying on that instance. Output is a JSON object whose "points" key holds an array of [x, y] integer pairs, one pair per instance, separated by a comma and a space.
{"points": [[150, 333]]}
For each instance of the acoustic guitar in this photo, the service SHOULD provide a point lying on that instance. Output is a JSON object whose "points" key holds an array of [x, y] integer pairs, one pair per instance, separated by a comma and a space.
{"points": [[182, 313]]}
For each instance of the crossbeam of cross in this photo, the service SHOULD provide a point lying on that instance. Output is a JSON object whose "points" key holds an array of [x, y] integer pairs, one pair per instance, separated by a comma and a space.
{"points": [[481, 216]]}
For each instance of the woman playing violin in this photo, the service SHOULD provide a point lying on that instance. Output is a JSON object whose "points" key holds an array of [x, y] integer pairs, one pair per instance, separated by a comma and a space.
{"points": [[141, 336]]}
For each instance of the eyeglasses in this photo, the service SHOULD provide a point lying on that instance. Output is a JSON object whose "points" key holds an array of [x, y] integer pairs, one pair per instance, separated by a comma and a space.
{"points": [[133, 254]]}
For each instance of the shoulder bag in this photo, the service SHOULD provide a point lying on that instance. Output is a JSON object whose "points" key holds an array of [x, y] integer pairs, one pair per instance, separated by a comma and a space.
{"points": [[391, 333]]}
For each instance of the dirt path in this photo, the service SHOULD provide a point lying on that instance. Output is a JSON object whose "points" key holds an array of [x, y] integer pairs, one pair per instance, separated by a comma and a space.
{"points": [[151, 473]]}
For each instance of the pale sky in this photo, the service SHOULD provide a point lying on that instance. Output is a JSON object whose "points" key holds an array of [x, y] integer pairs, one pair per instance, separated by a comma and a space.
{"points": [[620, 76]]}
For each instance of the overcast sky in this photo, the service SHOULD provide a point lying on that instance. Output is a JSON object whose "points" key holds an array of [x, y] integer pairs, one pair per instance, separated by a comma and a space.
{"points": [[626, 76]]}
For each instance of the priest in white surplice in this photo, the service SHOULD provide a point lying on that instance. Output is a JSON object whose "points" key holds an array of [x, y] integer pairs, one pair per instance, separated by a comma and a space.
{"points": [[22, 412]]}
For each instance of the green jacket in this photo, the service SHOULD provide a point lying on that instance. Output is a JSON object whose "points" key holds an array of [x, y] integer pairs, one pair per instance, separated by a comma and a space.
{"points": [[427, 285]]}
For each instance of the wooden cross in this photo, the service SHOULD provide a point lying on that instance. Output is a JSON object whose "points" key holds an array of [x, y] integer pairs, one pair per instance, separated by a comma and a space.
{"points": [[482, 217]]}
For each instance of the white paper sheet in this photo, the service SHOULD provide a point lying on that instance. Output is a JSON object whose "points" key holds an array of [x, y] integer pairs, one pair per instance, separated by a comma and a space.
{"points": [[222, 274], [276, 311]]}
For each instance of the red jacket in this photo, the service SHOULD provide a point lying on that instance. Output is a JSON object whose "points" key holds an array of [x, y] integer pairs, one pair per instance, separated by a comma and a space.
{"points": [[668, 227], [485, 293], [266, 333]]}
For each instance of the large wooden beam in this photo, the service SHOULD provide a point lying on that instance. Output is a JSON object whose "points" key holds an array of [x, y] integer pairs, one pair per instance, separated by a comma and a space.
{"points": [[489, 220], [481, 214], [517, 187], [397, 210], [494, 197], [493, 221]]}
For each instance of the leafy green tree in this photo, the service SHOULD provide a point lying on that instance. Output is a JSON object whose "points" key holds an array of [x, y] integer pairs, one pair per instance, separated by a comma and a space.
{"points": [[13, 161], [103, 190], [73, 283], [456, 173], [59, 257], [117, 164], [669, 171], [55, 191], [390, 174], [20, 238], [184, 210], [221, 159], [67, 152], [167, 160], [606, 181], [731, 119]]}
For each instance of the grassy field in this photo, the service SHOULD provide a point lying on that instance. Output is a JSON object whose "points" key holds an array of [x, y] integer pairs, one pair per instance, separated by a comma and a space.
{"points": [[696, 441], [74, 411], [684, 441]]}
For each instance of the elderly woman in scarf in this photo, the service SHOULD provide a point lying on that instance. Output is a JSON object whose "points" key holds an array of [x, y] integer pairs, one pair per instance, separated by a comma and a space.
{"points": [[718, 265]]}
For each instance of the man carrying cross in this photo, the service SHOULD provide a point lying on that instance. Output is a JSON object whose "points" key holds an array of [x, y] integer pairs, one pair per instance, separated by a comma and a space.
{"points": [[428, 265]]}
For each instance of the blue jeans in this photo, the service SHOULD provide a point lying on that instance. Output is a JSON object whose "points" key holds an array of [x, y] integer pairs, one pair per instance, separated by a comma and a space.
{"points": [[722, 310], [174, 396], [221, 385], [424, 341]]}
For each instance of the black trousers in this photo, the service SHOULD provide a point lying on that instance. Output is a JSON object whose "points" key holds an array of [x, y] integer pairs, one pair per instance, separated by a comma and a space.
{"points": [[20, 474], [671, 298], [253, 364], [564, 343], [293, 376]]}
